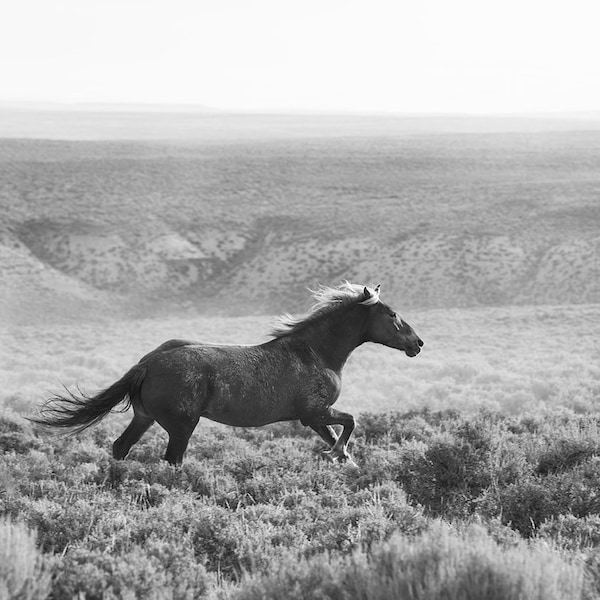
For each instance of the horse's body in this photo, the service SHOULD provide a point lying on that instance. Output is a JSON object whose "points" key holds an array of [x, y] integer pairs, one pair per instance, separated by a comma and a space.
{"points": [[294, 376]]}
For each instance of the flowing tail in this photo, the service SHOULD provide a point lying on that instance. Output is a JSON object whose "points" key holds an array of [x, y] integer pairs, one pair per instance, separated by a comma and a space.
{"points": [[78, 411]]}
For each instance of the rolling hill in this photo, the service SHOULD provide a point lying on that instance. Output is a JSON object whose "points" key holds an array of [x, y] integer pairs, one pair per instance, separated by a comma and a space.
{"points": [[234, 227]]}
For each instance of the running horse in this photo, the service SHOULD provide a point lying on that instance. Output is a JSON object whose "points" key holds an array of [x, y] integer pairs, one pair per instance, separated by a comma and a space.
{"points": [[296, 375]]}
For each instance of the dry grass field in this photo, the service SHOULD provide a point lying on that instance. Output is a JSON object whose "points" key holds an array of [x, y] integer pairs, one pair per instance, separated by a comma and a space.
{"points": [[478, 469]]}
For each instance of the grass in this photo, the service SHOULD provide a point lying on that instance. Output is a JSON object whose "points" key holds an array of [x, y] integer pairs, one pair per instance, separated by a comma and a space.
{"points": [[443, 505], [440, 564], [478, 461]]}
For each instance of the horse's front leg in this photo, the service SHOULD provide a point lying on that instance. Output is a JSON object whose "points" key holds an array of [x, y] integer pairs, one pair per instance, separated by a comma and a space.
{"points": [[319, 422], [339, 451], [327, 433]]}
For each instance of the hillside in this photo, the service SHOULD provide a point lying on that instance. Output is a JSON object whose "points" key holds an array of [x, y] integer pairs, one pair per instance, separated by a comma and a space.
{"points": [[441, 220]]}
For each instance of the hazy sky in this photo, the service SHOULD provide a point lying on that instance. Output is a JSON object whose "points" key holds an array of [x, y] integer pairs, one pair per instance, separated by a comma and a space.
{"points": [[403, 56]]}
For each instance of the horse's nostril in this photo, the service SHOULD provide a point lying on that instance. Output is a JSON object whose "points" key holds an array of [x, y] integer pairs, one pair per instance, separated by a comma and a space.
{"points": [[421, 343]]}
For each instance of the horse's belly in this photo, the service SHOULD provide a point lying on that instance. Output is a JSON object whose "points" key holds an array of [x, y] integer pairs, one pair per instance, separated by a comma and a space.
{"points": [[248, 410], [243, 421]]}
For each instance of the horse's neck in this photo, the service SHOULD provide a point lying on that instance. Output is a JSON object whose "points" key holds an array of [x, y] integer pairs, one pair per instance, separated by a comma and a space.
{"points": [[334, 339]]}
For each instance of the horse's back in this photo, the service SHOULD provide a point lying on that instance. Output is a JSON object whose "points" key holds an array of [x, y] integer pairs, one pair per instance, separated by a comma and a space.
{"points": [[166, 346], [192, 360]]}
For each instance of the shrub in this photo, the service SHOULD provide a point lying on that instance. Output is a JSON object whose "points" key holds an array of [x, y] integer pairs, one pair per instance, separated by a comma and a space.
{"points": [[441, 564], [155, 571], [524, 505], [215, 539], [445, 564], [16, 441], [564, 453], [447, 477], [528, 502], [24, 573], [60, 526], [571, 532], [314, 579]]}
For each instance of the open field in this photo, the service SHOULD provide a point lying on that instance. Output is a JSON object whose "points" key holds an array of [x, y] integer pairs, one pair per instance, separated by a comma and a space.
{"points": [[512, 456]]}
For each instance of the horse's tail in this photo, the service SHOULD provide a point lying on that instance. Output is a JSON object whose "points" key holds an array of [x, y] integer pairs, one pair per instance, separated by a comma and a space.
{"points": [[78, 411]]}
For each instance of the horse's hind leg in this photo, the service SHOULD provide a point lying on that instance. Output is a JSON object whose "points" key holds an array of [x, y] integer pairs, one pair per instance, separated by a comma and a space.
{"points": [[135, 430], [176, 449]]}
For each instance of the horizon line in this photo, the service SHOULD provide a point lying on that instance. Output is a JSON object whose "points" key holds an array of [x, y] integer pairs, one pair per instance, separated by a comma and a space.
{"points": [[168, 107]]}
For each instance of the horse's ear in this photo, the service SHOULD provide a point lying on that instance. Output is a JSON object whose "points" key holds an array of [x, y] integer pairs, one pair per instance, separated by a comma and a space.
{"points": [[370, 296], [378, 288]]}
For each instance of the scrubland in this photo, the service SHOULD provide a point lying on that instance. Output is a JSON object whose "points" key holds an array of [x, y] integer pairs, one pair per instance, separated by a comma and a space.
{"points": [[478, 471], [478, 461]]}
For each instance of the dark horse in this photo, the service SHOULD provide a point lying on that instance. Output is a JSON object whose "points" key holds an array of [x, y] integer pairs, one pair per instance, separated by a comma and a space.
{"points": [[294, 376]]}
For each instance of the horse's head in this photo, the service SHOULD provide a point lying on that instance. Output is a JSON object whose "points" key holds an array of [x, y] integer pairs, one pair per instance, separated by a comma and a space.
{"points": [[385, 327]]}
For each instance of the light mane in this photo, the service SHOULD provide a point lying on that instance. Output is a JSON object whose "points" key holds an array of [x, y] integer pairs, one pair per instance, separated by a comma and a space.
{"points": [[327, 300]]}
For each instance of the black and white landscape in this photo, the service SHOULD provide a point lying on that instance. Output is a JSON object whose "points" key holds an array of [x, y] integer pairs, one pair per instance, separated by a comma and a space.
{"points": [[120, 229]]}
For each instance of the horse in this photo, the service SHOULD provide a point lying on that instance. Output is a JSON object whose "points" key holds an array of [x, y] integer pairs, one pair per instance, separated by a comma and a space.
{"points": [[295, 375]]}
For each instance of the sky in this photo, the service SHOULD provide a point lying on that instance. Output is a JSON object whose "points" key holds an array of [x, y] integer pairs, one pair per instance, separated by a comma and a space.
{"points": [[402, 56]]}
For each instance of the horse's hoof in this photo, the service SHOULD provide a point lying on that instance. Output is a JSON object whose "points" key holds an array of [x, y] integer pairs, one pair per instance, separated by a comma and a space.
{"points": [[342, 459], [331, 456], [349, 464]]}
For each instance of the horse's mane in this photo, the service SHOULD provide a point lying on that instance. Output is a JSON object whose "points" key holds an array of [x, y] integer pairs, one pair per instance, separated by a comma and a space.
{"points": [[327, 300]]}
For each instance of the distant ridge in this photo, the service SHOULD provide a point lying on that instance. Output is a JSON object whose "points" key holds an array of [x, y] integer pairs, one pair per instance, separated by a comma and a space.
{"points": [[441, 221], [203, 124]]}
